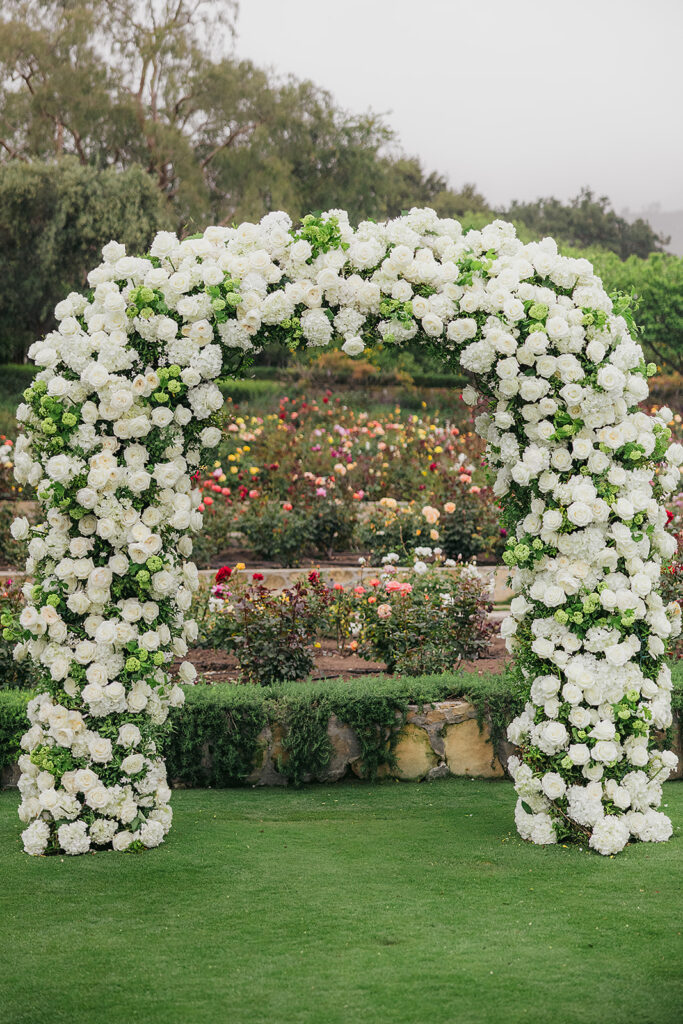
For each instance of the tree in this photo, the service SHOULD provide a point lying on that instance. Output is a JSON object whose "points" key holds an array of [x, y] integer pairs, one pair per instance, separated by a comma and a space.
{"points": [[115, 83], [657, 285], [54, 220], [587, 221], [468, 200]]}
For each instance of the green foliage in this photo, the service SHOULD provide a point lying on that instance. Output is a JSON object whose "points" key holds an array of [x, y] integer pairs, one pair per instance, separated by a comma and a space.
{"points": [[385, 530], [12, 552], [208, 545], [213, 740], [656, 284], [277, 534], [473, 529], [333, 524], [425, 622], [587, 220], [284, 535], [54, 220], [14, 675], [13, 724], [271, 634], [220, 138], [671, 588]]}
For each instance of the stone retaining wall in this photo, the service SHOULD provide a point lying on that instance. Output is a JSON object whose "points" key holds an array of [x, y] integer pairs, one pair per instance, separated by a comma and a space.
{"points": [[435, 741]]}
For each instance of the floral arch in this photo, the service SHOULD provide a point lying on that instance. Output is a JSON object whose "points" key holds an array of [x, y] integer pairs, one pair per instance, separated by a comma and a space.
{"points": [[122, 413]]}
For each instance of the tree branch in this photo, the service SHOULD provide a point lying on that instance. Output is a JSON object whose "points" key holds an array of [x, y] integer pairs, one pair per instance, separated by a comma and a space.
{"points": [[234, 134]]}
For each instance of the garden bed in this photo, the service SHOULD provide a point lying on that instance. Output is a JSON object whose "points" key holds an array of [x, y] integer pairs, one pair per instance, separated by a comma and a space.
{"points": [[332, 663]]}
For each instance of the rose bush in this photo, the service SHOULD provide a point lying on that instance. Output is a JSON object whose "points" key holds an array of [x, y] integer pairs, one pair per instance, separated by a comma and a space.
{"points": [[421, 621], [120, 416], [272, 635]]}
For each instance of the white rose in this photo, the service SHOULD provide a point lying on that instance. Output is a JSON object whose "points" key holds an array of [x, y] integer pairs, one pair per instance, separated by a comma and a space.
{"points": [[605, 751], [552, 519], [122, 840], [97, 798], [100, 749], [579, 753], [210, 437], [553, 786], [555, 734], [187, 672], [129, 735], [553, 596], [432, 325], [353, 346], [161, 417], [580, 514], [20, 528], [132, 764]]}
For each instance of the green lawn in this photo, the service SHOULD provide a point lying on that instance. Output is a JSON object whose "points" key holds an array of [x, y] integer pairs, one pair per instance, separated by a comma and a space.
{"points": [[386, 904]]}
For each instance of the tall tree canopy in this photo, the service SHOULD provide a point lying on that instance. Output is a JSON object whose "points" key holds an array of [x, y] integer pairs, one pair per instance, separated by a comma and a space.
{"points": [[116, 83], [91, 90], [587, 220], [54, 220]]}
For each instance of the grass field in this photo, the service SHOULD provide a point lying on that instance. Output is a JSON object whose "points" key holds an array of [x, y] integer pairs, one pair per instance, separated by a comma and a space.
{"points": [[393, 903]]}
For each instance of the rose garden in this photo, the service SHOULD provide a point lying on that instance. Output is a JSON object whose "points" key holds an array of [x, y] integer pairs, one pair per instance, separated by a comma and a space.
{"points": [[212, 595]]}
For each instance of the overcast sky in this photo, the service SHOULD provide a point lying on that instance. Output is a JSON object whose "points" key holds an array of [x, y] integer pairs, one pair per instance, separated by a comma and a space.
{"points": [[523, 97]]}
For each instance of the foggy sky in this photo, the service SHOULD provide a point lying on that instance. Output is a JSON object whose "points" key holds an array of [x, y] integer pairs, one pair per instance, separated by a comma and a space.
{"points": [[523, 97]]}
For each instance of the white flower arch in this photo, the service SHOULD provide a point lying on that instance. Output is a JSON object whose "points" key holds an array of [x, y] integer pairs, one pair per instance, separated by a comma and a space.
{"points": [[121, 415]]}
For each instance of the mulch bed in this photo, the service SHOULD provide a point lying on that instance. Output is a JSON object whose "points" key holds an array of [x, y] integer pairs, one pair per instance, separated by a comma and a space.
{"points": [[331, 663]]}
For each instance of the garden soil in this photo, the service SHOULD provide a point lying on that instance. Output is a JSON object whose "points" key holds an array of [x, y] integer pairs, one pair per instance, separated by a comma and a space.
{"points": [[333, 663]]}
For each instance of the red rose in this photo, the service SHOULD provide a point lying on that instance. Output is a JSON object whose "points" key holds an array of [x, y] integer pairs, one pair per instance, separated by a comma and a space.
{"points": [[224, 573], [257, 577]]}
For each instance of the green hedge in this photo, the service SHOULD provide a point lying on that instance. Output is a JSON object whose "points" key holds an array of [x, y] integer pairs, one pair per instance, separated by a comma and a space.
{"points": [[16, 377], [12, 724], [213, 739], [224, 721]]}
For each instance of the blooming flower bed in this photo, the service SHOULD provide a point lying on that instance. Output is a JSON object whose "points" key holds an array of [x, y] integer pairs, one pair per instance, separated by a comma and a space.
{"points": [[415, 620], [119, 419], [308, 478]]}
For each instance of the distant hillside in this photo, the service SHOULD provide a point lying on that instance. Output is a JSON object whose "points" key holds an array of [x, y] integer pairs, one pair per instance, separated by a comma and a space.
{"points": [[664, 222]]}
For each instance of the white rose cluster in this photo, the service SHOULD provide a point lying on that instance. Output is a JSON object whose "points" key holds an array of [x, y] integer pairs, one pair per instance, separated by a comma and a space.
{"points": [[123, 410]]}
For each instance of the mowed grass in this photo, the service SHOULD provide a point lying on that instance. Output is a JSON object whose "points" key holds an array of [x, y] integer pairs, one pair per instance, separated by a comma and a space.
{"points": [[388, 903]]}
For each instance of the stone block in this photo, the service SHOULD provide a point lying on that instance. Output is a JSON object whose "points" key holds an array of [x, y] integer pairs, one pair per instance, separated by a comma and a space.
{"points": [[468, 752], [414, 754], [346, 748]]}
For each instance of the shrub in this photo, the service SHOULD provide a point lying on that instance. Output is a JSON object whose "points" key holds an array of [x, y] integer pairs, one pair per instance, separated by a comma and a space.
{"points": [[423, 621], [672, 590], [13, 674], [12, 552], [332, 527], [280, 532], [214, 739], [225, 721], [209, 545], [390, 528], [271, 635], [13, 724], [275, 533], [473, 529]]}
